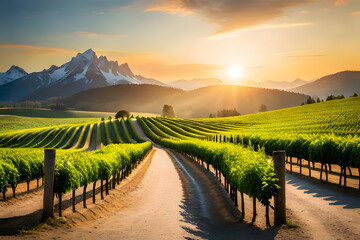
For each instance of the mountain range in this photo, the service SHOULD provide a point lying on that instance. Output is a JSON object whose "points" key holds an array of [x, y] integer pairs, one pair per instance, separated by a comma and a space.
{"points": [[284, 85], [346, 83], [12, 74], [194, 83], [85, 71], [194, 103]]}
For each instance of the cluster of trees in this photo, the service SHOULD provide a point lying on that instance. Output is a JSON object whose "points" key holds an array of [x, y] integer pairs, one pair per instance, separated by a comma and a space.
{"points": [[227, 113], [119, 114], [27, 104], [311, 100], [51, 103], [57, 106], [333, 97], [168, 111], [234, 112]]}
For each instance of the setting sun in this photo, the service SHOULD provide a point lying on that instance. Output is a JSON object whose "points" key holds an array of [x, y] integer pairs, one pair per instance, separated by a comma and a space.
{"points": [[235, 72]]}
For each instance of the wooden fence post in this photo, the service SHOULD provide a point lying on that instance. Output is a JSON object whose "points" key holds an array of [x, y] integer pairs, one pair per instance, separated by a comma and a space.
{"points": [[279, 200], [48, 202]]}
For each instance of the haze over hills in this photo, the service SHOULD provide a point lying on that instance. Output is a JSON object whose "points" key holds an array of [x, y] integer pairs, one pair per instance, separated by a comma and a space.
{"points": [[276, 85], [346, 82], [12, 74], [195, 83], [195, 103], [85, 71]]}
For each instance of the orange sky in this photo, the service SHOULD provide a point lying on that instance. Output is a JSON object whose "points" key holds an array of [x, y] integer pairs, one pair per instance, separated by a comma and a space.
{"points": [[174, 39]]}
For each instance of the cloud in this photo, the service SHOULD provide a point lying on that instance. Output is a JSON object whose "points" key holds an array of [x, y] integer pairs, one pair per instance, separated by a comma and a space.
{"points": [[231, 15], [38, 50], [256, 28], [306, 55], [299, 55], [92, 34], [341, 2], [355, 13]]}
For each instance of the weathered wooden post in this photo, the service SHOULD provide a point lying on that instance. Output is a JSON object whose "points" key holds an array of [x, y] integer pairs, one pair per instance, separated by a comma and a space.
{"points": [[48, 203], [280, 199]]}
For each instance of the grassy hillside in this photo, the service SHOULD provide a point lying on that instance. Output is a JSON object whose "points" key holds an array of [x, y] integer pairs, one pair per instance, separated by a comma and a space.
{"points": [[46, 113], [13, 119], [14, 123], [340, 117], [328, 132], [196, 103]]}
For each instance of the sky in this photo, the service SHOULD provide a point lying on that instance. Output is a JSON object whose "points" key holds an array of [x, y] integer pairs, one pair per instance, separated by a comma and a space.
{"points": [[233, 40]]}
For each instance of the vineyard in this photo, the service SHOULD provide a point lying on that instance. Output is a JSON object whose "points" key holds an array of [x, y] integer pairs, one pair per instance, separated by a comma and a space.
{"points": [[236, 149], [75, 136], [22, 156], [326, 133], [243, 169]]}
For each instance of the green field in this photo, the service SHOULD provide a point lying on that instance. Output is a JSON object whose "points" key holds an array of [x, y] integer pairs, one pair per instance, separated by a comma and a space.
{"points": [[13, 119]]}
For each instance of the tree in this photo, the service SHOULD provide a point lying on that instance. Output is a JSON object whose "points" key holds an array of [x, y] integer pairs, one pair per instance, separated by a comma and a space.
{"points": [[310, 100], [110, 118], [210, 116], [168, 111], [333, 97], [122, 114], [318, 100], [262, 108], [355, 95]]}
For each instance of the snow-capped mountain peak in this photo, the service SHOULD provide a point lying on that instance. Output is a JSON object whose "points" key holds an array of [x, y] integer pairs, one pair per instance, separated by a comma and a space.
{"points": [[84, 71], [12, 74], [88, 54]]}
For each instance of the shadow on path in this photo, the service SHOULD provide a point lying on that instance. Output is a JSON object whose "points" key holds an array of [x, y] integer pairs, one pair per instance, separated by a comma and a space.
{"points": [[336, 197], [207, 206]]}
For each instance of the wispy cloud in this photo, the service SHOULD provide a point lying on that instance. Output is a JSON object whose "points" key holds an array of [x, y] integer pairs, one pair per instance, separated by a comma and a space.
{"points": [[341, 2], [38, 50], [257, 28], [93, 34], [231, 15], [306, 55], [357, 13], [299, 55]]}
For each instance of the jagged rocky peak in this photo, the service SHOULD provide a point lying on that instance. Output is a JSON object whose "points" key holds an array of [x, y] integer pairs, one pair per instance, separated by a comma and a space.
{"points": [[126, 69], [13, 73], [88, 54], [16, 69], [52, 69]]}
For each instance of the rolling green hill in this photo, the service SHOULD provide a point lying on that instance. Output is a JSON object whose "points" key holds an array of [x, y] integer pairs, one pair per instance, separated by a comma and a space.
{"points": [[339, 117]]}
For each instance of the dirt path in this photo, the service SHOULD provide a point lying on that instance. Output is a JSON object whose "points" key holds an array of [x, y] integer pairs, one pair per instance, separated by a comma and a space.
{"points": [[323, 212], [174, 200]]}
